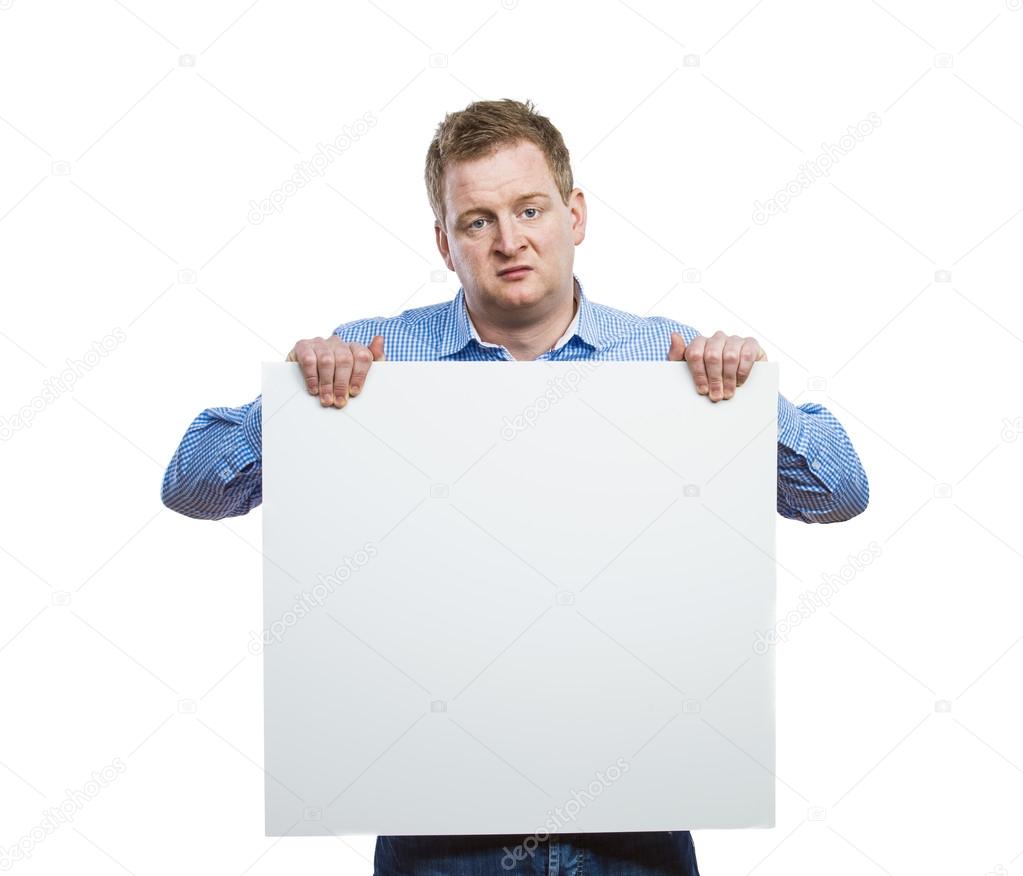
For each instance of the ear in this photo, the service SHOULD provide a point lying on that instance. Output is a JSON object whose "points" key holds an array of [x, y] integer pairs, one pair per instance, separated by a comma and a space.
{"points": [[442, 245], [577, 209]]}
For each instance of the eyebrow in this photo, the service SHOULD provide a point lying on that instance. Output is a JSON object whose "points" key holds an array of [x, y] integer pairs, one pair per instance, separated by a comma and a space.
{"points": [[529, 196]]}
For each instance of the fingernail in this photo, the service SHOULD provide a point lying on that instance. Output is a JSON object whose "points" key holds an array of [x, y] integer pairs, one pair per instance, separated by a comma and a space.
{"points": [[328, 399], [354, 390]]}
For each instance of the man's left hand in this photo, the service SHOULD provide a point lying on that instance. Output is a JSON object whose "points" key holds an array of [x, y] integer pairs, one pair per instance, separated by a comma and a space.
{"points": [[719, 363]]}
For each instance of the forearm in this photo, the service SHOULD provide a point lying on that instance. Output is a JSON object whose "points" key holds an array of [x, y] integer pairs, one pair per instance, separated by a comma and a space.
{"points": [[820, 477], [217, 469]]}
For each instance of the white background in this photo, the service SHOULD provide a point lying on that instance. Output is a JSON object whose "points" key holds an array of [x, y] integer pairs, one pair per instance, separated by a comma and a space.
{"points": [[125, 187]]}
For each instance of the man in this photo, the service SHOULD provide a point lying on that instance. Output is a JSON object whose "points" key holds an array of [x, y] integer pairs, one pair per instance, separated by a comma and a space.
{"points": [[507, 223]]}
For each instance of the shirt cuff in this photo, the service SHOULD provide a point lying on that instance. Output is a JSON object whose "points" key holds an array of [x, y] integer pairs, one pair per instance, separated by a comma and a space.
{"points": [[789, 428], [248, 450], [796, 432], [252, 427]]}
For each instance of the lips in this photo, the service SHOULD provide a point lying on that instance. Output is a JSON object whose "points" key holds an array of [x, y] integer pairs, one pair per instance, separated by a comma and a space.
{"points": [[515, 271]]}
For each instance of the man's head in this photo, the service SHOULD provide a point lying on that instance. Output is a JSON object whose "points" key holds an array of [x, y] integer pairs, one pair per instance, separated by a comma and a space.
{"points": [[500, 183]]}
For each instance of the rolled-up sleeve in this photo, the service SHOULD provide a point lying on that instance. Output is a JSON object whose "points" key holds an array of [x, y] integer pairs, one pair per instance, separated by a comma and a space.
{"points": [[217, 469], [820, 476]]}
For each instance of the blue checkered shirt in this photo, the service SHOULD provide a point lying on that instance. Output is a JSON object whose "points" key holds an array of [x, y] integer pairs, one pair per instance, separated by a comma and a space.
{"points": [[217, 469]]}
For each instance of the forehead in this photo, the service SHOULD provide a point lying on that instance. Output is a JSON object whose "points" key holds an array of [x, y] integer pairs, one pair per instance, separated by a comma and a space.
{"points": [[495, 178]]}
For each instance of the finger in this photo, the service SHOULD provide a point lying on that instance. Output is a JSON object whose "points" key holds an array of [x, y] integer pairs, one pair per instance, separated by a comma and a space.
{"points": [[324, 371], [730, 354], [677, 350], [747, 356], [694, 356], [342, 376], [712, 363], [376, 347], [305, 355], [362, 358]]}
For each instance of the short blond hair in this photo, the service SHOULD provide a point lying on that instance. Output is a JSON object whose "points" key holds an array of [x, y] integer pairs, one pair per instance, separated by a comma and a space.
{"points": [[481, 129]]}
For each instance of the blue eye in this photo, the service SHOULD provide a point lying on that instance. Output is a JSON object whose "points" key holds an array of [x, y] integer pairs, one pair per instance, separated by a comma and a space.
{"points": [[474, 225], [534, 209]]}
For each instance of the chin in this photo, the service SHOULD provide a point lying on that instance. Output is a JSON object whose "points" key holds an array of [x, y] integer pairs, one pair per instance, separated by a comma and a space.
{"points": [[523, 293]]}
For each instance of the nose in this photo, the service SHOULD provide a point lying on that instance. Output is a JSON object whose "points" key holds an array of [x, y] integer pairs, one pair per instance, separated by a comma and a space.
{"points": [[509, 237]]}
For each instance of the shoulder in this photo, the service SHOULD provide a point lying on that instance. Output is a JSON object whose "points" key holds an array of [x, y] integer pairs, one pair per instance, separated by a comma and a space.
{"points": [[416, 323], [625, 330]]}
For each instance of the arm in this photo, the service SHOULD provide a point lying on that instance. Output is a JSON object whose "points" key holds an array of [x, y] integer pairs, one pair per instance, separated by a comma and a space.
{"points": [[217, 469], [820, 477]]}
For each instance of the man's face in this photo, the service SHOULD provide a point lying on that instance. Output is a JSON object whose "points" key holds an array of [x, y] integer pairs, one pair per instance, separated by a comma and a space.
{"points": [[504, 210]]}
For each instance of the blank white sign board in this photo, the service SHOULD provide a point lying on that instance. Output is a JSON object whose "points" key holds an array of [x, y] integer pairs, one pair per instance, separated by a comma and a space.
{"points": [[518, 597]]}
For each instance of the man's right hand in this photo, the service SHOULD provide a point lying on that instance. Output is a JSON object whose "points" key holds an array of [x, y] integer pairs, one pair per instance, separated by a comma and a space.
{"points": [[335, 369]]}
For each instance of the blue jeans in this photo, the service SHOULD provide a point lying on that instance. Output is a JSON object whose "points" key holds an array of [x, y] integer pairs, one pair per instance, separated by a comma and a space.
{"points": [[655, 853]]}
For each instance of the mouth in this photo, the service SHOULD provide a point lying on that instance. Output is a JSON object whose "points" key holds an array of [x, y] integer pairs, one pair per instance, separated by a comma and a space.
{"points": [[515, 273]]}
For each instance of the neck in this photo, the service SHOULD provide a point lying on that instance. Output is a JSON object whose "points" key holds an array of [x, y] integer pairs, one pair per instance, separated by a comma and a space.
{"points": [[530, 340]]}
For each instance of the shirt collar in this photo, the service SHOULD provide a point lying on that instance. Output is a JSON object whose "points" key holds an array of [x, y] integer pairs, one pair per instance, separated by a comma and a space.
{"points": [[457, 331]]}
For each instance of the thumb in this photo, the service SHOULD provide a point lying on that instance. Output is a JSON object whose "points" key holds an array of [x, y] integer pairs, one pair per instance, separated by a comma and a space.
{"points": [[677, 350], [376, 347]]}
